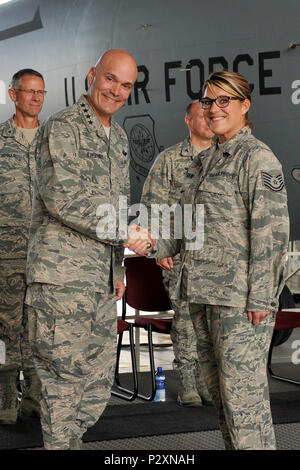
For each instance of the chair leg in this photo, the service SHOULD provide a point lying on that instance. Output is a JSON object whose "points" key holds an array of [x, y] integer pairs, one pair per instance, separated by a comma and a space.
{"points": [[270, 358], [152, 368], [274, 376], [127, 394]]}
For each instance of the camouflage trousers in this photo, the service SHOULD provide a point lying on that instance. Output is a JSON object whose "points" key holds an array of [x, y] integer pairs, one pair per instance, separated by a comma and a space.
{"points": [[233, 356], [183, 337], [73, 339], [14, 333], [182, 331]]}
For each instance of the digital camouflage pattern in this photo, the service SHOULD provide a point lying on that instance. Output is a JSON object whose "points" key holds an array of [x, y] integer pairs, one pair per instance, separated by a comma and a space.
{"points": [[71, 271], [17, 169], [12, 294], [240, 268], [78, 170], [73, 334], [163, 186], [246, 227], [233, 355], [166, 176]]}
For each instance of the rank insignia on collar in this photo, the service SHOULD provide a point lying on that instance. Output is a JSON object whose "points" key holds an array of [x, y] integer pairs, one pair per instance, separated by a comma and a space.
{"points": [[275, 183]]}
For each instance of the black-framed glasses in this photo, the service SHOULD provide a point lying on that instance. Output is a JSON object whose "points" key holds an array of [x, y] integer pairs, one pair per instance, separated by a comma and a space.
{"points": [[221, 101], [32, 92]]}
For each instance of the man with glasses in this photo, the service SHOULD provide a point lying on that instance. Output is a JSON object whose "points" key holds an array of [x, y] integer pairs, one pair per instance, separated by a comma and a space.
{"points": [[18, 142], [163, 185]]}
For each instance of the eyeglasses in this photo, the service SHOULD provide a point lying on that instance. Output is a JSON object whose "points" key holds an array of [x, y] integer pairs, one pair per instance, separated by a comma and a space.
{"points": [[32, 92], [221, 101]]}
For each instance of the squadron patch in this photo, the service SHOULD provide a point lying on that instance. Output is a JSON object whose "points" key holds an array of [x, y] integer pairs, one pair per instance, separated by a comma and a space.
{"points": [[275, 183]]}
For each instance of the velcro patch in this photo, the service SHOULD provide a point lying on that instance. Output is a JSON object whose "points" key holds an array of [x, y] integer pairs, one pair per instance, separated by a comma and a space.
{"points": [[275, 183]]}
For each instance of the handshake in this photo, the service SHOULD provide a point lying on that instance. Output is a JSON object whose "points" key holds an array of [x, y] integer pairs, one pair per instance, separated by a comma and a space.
{"points": [[140, 240]]}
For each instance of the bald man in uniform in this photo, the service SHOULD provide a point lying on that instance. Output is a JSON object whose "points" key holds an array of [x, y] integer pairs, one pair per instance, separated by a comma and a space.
{"points": [[74, 269]]}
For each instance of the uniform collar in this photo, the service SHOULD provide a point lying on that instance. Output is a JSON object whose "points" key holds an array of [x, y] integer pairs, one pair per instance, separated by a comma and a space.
{"points": [[229, 146], [90, 117], [11, 130], [203, 154], [187, 149]]}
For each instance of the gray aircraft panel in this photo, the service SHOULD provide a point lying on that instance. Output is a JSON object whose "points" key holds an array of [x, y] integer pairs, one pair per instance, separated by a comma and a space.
{"points": [[176, 45]]}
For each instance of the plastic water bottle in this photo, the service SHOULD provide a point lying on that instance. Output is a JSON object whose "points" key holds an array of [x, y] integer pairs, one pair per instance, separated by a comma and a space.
{"points": [[160, 385]]}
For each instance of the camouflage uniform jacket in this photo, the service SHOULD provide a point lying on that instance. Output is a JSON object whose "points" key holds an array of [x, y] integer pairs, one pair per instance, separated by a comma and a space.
{"points": [[17, 169], [164, 182], [166, 176], [78, 171], [246, 227]]}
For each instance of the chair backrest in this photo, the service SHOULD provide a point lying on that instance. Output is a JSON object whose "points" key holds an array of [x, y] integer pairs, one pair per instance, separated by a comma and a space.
{"points": [[144, 285], [287, 320]]}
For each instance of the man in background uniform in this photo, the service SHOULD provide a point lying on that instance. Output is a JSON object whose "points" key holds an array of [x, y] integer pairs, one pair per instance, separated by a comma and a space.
{"points": [[74, 263], [18, 142], [163, 186]]}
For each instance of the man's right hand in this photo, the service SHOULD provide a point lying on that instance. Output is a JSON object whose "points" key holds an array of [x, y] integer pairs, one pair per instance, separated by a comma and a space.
{"points": [[140, 240]]}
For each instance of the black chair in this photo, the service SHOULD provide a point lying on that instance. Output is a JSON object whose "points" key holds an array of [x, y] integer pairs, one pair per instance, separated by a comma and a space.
{"points": [[118, 389], [145, 292]]}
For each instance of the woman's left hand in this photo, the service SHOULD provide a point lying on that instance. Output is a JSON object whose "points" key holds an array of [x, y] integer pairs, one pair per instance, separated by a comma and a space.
{"points": [[257, 317], [119, 289]]}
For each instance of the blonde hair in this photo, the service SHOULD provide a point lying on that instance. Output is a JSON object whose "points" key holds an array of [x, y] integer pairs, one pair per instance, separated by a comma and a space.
{"points": [[233, 83]]}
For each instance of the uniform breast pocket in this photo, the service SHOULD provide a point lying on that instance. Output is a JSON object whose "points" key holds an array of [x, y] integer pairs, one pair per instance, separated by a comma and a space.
{"points": [[216, 268], [12, 161], [217, 204], [218, 191], [221, 199], [223, 219]]}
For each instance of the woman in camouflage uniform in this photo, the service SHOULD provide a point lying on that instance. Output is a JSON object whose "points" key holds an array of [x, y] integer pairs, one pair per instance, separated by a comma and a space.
{"points": [[234, 280]]}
